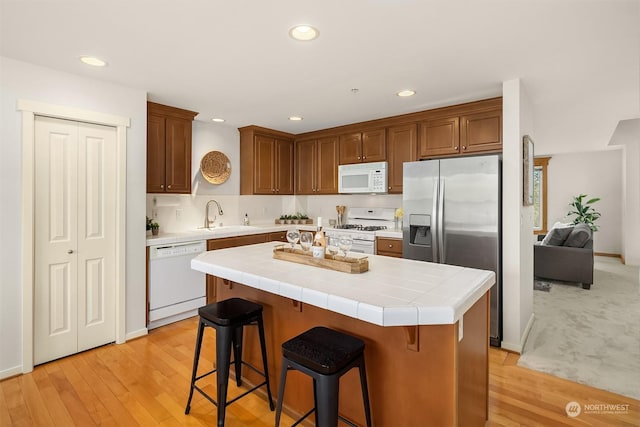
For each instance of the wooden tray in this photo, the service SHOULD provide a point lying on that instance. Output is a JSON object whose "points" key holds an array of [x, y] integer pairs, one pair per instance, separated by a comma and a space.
{"points": [[344, 264]]}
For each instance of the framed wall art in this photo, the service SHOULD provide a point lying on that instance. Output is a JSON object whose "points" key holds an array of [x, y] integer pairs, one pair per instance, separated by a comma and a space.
{"points": [[527, 171]]}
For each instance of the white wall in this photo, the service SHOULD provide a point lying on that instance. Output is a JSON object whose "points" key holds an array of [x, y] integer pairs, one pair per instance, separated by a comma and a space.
{"points": [[631, 225], [627, 136], [20, 80], [597, 174], [517, 220]]}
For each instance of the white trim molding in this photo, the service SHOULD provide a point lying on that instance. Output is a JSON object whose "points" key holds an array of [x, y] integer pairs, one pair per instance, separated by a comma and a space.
{"points": [[517, 348], [31, 109]]}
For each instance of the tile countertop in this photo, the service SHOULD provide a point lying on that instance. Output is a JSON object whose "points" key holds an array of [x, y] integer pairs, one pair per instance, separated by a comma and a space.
{"points": [[394, 292], [220, 232], [238, 230]]}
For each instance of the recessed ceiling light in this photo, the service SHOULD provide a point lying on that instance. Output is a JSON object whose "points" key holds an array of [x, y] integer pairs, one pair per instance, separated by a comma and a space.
{"points": [[304, 33], [92, 60], [295, 118], [407, 92], [217, 120]]}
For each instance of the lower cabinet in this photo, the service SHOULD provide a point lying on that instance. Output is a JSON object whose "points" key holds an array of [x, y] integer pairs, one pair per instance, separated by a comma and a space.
{"points": [[232, 242], [278, 236], [389, 247]]}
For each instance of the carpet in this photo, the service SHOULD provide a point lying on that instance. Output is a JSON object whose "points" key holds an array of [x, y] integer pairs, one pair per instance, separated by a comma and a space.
{"points": [[590, 336]]}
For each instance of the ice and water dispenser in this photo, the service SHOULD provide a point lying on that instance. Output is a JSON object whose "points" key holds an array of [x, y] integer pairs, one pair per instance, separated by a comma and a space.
{"points": [[419, 237]]}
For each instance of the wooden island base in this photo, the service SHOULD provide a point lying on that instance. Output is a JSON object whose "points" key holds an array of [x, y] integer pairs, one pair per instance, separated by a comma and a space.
{"points": [[418, 375]]}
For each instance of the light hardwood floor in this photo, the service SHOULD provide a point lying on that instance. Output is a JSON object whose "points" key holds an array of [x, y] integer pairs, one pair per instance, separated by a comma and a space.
{"points": [[146, 381]]}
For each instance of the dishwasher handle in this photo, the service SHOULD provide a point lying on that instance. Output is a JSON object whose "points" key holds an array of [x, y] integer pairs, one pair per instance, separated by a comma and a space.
{"points": [[177, 249]]}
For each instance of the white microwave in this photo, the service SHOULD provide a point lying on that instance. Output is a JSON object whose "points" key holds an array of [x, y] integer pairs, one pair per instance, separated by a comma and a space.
{"points": [[362, 178]]}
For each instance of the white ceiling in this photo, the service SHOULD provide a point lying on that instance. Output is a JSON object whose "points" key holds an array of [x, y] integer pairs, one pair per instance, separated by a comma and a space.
{"points": [[578, 60]]}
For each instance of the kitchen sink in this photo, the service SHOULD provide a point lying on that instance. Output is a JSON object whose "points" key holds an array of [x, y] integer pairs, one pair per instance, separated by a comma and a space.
{"points": [[228, 229]]}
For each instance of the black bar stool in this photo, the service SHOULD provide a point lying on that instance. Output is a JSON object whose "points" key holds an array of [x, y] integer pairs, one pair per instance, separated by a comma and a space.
{"points": [[325, 355], [228, 318]]}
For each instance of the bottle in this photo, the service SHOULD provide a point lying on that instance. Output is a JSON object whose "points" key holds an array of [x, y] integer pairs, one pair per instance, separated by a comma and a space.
{"points": [[245, 220], [319, 241]]}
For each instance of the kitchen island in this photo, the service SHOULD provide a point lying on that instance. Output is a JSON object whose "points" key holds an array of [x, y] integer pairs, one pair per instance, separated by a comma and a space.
{"points": [[425, 327]]}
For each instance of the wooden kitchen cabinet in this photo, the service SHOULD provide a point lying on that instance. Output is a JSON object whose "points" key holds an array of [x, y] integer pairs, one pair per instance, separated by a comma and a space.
{"points": [[266, 161], [439, 137], [168, 149], [473, 132], [277, 236], [402, 144], [231, 242], [463, 129], [481, 132], [317, 166], [389, 247], [273, 167], [359, 147]]}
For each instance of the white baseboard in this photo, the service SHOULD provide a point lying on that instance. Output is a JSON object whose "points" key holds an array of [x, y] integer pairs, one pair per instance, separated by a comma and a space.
{"points": [[11, 372], [517, 347], [525, 335], [137, 334]]}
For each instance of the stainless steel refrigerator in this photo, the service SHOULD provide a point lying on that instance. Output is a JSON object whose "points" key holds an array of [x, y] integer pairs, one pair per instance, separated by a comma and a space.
{"points": [[452, 216]]}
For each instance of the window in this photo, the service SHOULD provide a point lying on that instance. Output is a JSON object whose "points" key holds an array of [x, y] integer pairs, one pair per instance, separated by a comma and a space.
{"points": [[540, 194]]}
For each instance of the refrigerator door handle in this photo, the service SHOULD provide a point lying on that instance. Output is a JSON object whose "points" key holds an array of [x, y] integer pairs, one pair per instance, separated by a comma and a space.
{"points": [[440, 221], [435, 226]]}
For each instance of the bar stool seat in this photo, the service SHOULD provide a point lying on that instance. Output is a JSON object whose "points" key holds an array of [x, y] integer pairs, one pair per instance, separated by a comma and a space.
{"points": [[228, 318], [325, 355]]}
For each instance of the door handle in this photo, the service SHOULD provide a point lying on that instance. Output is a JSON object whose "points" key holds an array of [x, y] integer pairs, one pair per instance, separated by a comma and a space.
{"points": [[70, 251]]}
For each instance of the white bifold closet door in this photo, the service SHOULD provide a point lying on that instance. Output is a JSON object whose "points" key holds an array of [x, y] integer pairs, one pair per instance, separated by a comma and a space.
{"points": [[75, 201]]}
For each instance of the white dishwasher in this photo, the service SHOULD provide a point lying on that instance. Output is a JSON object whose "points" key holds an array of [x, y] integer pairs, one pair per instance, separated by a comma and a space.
{"points": [[175, 290]]}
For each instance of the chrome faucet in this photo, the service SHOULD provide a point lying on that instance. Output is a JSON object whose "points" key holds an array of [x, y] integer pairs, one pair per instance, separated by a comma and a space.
{"points": [[207, 221]]}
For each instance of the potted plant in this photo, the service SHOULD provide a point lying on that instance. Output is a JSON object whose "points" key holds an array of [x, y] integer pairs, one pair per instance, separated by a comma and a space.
{"points": [[304, 219], [153, 226], [584, 212]]}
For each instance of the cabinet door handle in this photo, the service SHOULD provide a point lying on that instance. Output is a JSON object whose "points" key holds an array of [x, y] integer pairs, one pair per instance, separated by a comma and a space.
{"points": [[70, 251], [169, 186], [464, 147], [162, 186], [358, 157], [273, 190], [364, 157], [390, 246], [389, 188], [455, 148]]}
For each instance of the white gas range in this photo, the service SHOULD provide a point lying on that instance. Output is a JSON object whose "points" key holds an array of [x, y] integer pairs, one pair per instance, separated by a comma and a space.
{"points": [[362, 224]]}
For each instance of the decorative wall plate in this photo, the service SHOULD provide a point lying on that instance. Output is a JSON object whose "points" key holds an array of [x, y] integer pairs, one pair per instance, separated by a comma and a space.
{"points": [[215, 167]]}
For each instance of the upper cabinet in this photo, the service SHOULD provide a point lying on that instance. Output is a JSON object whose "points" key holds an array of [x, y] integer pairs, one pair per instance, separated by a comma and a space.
{"points": [[439, 137], [268, 158], [366, 146], [266, 161], [402, 141], [467, 132], [168, 149], [316, 165], [481, 132]]}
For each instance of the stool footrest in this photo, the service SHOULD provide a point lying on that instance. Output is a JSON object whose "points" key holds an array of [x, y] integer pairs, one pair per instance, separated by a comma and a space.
{"points": [[229, 402], [311, 411], [248, 365]]}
